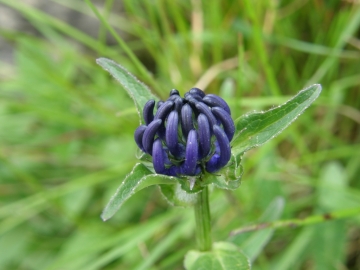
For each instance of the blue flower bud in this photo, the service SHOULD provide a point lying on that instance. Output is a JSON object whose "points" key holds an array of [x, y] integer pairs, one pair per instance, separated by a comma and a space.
{"points": [[159, 104], [174, 92], [216, 101], [197, 91], [139, 132], [178, 104], [204, 135], [164, 110], [173, 170], [191, 100], [172, 131], [186, 119], [220, 160], [205, 110], [149, 134], [187, 136], [148, 112], [213, 164], [224, 144], [189, 96], [225, 120], [191, 156], [158, 155], [172, 135]]}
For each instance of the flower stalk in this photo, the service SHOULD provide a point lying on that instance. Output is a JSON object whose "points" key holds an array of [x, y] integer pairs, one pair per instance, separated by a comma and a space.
{"points": [[187, 137], [203, 221]]}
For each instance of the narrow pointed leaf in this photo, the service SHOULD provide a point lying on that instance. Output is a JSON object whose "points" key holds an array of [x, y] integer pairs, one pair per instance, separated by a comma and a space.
{"points": [[253, 245], [140, 177], [137, 90], [223, 256], [254, 129]]}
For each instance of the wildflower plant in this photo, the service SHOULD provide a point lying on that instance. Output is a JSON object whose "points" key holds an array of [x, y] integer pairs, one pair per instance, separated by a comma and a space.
{"points": [[188, 143]]}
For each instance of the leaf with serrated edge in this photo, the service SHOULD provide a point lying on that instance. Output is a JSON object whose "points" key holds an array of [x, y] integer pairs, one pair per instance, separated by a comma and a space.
{"points": [[137, 90], [140, 177], [223, 256], [254, 129]]}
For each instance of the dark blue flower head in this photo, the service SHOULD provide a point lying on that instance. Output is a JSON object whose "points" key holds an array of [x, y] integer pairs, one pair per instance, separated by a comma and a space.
{"points": [[187, 135]]}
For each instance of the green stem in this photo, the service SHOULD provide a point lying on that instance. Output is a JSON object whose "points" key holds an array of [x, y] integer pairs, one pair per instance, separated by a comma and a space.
{"points": [[340, 214], [202, 218]]}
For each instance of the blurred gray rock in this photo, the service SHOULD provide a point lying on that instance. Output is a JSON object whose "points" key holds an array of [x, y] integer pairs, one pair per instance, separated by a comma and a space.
{"points": [[12, 20]]}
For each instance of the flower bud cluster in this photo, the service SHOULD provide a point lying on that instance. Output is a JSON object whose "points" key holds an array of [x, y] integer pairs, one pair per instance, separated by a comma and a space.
{"points": [[187, 135]]}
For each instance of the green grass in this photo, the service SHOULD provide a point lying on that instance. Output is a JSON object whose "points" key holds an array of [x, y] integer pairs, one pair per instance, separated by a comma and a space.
{"points": [[66, 132]]}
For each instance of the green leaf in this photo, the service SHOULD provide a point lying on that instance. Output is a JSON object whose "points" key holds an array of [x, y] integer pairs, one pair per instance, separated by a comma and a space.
{"points": [[254, 129], [224, 256], [137, 90], [140, 177], [295, 251], [333, 190], [332, 194], [176, 196], [256, 242]]}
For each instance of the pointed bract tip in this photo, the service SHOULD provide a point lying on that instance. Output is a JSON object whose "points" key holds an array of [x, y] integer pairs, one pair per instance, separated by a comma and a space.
{"points": [[192, 181], [104, 218]]}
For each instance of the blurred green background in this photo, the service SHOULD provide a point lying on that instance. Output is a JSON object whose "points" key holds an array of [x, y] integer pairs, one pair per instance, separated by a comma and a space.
{"points": [[66, 129]]}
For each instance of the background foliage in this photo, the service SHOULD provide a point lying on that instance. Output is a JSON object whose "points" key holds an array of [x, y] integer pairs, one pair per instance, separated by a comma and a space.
{"points": [[66, 131]]}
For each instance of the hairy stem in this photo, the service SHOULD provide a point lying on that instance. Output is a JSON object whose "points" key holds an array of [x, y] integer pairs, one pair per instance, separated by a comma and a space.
{"points": [[202, 218]]}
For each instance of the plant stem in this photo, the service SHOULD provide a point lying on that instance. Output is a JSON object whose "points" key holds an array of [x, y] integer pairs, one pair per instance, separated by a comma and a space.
{"points": [[202, 219], [340, 214]]}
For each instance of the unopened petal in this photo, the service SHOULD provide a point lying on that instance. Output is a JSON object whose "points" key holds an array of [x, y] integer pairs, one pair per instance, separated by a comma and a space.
{"points": [[197, 91], [204, 135], [224, 145], [138, 135], [225, 120], [186, 119], [191, 156], [214, 100], [148, 112], [149, 135], [172, 131], [202, 108], [158, 156]]}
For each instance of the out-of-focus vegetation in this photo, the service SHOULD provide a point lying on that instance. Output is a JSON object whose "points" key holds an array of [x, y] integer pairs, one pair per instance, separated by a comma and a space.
{"points": [[66, 131]]}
